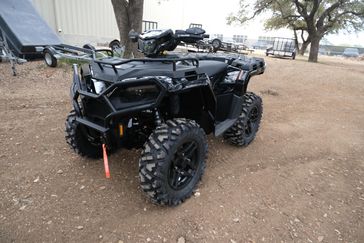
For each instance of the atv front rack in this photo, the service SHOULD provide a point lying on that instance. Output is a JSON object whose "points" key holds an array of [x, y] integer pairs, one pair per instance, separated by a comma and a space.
{"points": [[173, 61]]}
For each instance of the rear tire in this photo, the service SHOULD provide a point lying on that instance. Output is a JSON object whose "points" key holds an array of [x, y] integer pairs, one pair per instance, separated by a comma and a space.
{"points": [[78, 139], [173, 161], [244, 130]]}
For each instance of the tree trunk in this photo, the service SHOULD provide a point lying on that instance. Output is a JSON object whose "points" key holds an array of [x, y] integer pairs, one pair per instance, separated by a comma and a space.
{"points": [[296, 41], [128, 15], [304, 47], [314, 49]]}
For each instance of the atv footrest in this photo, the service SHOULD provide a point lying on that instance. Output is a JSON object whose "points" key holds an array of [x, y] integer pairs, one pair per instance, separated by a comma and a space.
{"points": [[92, 125], [221, 127]]}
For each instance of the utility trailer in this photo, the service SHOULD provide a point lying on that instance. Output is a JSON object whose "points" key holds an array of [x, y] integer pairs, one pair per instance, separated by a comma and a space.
{"points": [[282, 47], [33, 38], [23, 33], [67, 52], [7, 55]]}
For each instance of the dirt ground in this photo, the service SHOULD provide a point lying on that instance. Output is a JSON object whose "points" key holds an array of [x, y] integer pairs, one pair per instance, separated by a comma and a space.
{"points": [[301, 180]]}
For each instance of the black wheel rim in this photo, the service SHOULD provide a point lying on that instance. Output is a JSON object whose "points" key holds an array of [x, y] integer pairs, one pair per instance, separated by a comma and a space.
{"points": [[184, 165], [252, 121]]}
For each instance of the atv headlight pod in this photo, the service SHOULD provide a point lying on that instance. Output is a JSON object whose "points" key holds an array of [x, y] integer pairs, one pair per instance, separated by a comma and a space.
{"points": [[134, 93], [142, 90], [147, 46], [99, 86], [232, 77]]}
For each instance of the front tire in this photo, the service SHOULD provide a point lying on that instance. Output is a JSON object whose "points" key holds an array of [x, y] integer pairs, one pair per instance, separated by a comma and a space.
{"points": [[244, 130], [78, 139], [173, 161]]}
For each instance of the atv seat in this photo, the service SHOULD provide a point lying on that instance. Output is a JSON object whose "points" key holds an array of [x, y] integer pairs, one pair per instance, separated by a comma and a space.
{"points": [[212, 68], [192, 31], [191, 35]]}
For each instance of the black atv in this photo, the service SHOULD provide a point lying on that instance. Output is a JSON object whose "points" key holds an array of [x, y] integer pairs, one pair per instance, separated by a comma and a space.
{"points": [[165, 105]]}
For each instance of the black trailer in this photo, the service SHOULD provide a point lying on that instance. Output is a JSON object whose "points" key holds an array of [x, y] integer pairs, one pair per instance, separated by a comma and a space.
{"points": [[282, 47], [23, 33]]}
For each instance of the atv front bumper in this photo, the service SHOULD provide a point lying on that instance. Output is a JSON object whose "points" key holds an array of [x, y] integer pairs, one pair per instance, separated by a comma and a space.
{"points": [[111, 109]]}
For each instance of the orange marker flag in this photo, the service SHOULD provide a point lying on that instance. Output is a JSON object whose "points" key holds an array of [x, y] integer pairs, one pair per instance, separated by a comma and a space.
{"points": [[106, 161]]}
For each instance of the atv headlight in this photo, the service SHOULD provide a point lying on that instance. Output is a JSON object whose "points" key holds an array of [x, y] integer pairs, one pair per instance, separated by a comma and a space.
{"points": [[143, 90], [232, 77], [99, 86], [147, 46], [132, 95]]}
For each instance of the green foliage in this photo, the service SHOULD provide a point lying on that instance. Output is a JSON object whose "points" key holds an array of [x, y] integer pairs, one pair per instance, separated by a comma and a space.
{"points": [[324, 16], [316, 17]]}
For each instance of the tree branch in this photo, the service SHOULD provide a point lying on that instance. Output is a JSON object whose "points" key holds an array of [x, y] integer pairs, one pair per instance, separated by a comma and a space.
{"points": [[282, 12], [332, 21], [259, 7], [301, 8], [316, 4], [259, 10], [321, 19], [302, 37]]}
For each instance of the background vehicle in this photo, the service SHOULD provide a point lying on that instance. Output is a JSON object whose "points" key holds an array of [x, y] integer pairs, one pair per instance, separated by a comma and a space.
{"points": [[323, 51], [52, 54], [118, 49], [27, 40], [351, 52], [212, 45], [261, 44], [229, 45], [282, 47], [197, 38], [164, 104]]}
